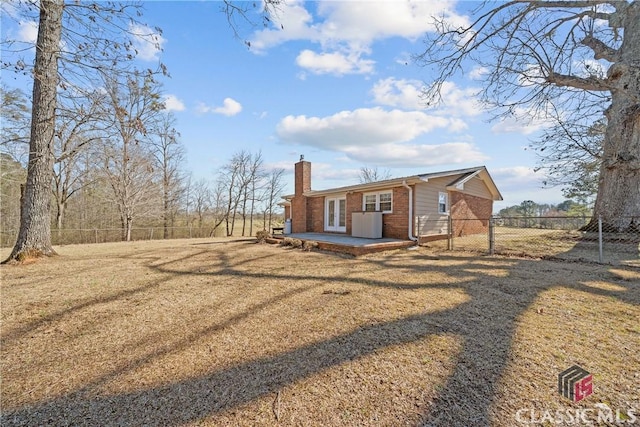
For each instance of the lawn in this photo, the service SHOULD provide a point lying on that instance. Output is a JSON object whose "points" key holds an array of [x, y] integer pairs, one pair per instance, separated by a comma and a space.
{"points": [[230, 332]]}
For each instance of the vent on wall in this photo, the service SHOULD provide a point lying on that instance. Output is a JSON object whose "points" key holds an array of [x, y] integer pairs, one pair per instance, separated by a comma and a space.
{"points": [[366, 224]]}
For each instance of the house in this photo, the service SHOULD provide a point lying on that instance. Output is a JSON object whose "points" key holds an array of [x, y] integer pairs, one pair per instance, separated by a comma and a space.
{"points": [[419, 207]]}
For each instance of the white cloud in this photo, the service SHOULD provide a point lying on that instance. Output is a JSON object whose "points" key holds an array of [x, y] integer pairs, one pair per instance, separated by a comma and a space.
{"points": [[367, 125], [398, 93], [522, 122], [28, 31], [147, 42], [417, 155], [173, 103], [478, 72], [230, 107], [334, 63], [520, 183], [346, 30], [455, 102], [378, 136]]}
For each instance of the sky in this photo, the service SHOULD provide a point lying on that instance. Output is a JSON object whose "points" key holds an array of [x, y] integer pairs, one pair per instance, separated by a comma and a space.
{"points": [[333, 81]]}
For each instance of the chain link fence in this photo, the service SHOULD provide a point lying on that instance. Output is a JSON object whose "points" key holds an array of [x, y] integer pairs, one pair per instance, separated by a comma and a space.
{"points": [[540, 237], [103, 235]]}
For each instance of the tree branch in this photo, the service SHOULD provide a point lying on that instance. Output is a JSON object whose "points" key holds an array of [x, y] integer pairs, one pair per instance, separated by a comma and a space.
{"points": [[590, 83], [600, 49]]}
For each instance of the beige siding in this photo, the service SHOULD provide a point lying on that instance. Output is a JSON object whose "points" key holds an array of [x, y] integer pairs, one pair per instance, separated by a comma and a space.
{"points": [[428, 220], [476, 187]]}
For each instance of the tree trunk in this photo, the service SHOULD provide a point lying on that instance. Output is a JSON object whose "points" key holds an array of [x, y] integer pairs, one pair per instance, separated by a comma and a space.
{"points": [[60, 216], [34, 236], [618, 200]]}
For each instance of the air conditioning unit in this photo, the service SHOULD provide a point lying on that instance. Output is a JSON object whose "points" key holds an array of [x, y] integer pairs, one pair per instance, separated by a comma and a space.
{"points": [[366, 224]]}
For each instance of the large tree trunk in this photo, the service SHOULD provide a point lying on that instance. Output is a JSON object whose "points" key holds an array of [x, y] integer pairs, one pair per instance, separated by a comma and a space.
{"points": [[618, 200], [34, 236]]}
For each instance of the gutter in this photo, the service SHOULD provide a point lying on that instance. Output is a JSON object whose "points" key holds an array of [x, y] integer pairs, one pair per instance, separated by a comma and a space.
{"points": [[411, 237]]}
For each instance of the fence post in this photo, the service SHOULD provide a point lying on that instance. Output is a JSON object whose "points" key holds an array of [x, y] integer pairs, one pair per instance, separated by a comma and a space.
{"points": [[96, 235], [600, 239], [492, 241], [450, 232], [151, 234]]}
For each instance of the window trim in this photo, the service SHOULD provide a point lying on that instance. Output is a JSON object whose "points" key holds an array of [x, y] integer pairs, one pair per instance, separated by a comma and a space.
{"points": [[446, 203], [377, 195]]}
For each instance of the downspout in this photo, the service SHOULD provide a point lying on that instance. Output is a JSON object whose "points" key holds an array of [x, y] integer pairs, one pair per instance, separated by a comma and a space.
{"points": [[411, 237]]}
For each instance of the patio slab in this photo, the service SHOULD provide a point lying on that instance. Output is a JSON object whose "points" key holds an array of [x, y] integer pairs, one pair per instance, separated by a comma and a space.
{"points": [[351, 245]]}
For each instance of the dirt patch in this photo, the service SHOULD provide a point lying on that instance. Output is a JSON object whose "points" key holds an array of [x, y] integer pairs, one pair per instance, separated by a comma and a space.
{"points": [[220, 332]]}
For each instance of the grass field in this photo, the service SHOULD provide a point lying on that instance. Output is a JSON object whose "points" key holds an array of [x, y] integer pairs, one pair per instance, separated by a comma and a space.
{"points": [[222, 332]]}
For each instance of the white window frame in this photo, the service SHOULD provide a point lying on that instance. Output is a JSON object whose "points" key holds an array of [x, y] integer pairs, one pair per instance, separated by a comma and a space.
{"points": [[377, 196], [446, 203]]}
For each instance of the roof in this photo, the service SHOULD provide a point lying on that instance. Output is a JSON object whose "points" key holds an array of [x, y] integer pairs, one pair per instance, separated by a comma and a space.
{"points": [[456, 185]]}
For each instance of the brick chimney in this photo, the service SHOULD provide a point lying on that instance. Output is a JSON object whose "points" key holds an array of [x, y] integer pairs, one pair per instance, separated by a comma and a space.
{"points": [[303, 176], [299, 201]]}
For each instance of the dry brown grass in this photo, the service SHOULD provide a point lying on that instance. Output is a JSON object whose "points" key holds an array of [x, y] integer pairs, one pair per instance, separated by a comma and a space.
{"points": [[219, 332]]}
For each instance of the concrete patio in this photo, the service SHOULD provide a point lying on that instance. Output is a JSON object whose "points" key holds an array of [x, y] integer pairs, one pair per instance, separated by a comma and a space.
{"points": [[347, 244]]}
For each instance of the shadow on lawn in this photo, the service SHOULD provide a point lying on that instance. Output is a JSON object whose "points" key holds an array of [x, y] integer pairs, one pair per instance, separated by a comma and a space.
{"points": [[470, 389]]}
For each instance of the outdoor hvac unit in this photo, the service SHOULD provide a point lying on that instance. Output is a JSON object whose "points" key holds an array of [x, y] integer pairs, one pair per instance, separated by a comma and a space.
{"points": [[366, 224]]}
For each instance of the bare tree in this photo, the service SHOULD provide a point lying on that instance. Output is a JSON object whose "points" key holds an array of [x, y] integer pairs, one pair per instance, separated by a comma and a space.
{"points": [[136, 107], [168, 153], [373, 174], [34, 236], [253, 191], [96, 36], [234, 178], [201, 200], [12, 177], [14, 132], [273, 192], [571, 153], [577, 57], [77, 127]]}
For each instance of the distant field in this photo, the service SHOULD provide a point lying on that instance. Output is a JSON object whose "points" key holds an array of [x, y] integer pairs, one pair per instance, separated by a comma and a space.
{"points": [[216, 331]]}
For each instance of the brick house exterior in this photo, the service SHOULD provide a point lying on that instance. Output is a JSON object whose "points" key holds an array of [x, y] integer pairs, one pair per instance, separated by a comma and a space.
{"points": [[466, 201]]}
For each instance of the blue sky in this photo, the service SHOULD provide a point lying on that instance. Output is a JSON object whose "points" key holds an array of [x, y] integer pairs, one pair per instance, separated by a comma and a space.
{"points": [[336, 84]]}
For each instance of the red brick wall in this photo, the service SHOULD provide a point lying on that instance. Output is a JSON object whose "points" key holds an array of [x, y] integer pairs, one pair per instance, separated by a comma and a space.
{"points": [[470, 214], [315, 214], [300, 220], [287, 212], [396, 224], [354, 204], [311, 218], [302, 177], [299, 211]]}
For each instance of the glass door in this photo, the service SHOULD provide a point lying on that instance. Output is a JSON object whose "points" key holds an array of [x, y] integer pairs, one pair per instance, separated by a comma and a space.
{"points": [[335, 214]]}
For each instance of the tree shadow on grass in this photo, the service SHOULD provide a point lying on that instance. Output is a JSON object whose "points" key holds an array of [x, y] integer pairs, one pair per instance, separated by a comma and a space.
{"points": [[465, 399]]}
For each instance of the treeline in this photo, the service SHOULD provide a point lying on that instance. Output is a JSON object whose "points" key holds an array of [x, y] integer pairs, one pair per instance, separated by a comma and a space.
{"points": [[568, 214], [119, 163]]}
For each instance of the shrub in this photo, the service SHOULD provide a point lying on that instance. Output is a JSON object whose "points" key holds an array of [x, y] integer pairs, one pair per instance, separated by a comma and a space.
{"points": [[262, 235], [287, 241], [309, 245]]}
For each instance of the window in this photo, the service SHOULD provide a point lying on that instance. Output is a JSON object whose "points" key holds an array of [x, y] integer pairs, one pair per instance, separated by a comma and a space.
{"points": [[443, 203], [385, 202], [378, 202], [370, 202]]}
